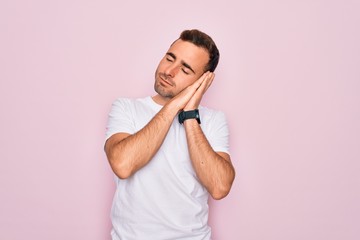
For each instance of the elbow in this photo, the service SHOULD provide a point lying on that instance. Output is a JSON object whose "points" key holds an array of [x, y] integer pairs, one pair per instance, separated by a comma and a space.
{"points": [[219, 194], [118, 161], [221, 190], [120, 171], [119, 168]]}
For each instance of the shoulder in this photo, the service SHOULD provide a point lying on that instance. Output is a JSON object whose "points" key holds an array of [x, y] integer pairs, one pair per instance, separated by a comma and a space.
{"points": [[124, 100], [128, 102]]}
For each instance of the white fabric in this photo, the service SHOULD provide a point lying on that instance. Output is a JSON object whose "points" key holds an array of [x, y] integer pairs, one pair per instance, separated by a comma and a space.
{"points": [[164, 199]]}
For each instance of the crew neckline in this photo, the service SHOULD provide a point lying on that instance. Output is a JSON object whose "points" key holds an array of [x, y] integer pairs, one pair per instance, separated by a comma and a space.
{"points": [[154, 104]]}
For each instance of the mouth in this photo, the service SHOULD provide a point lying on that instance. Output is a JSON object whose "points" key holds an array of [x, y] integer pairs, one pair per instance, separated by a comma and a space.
{"points": [[165, 80]]}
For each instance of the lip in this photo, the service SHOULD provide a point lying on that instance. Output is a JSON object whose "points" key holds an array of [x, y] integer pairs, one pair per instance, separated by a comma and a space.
{"points": [[161, 76]]}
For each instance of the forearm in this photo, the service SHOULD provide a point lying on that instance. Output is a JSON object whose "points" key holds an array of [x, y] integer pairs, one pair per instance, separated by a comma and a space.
{"points": [[214, 170], [129, 154]]}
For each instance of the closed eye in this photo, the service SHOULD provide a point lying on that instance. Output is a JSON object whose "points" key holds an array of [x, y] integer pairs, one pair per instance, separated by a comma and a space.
{"points": [[186, 67], [170, 57], [183, 69]]}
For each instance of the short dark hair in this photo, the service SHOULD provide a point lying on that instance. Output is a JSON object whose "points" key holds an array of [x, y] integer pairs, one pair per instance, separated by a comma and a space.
{"points": [[203, 40]]}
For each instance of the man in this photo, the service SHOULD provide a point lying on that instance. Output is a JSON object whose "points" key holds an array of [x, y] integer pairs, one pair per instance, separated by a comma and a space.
{"points": [[168, 152]]}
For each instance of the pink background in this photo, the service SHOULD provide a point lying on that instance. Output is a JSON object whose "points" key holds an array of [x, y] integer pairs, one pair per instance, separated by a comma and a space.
{"points": [[288, 80]]}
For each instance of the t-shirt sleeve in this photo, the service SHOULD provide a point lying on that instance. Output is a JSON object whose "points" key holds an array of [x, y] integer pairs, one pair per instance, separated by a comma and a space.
{"points": [[120, 118], [218, 134]]}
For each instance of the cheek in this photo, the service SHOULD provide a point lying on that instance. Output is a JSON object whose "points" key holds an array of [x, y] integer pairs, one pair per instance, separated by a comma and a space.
{"points": [[163, 63], [184, 81]]}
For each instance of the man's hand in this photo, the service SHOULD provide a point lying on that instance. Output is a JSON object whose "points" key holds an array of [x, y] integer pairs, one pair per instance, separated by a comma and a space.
{"points": [[190, 97], [195, 100]]}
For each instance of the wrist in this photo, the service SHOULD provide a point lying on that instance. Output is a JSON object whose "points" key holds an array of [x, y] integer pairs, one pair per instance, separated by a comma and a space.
{"points": [[187, 109], [190, 107], [191, 114]]}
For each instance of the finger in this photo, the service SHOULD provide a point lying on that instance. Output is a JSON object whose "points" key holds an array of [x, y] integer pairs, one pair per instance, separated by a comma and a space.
{"points": [[210, 80], [199, 81], [192, 89], [207, 82]]}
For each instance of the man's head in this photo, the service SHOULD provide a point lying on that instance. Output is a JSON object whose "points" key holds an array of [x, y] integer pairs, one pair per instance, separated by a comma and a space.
{"points": [[187, 59], [203, 40]]}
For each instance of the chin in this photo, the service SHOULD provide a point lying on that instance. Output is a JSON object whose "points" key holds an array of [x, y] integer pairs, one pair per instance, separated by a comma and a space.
{"points": [[162, 92]]}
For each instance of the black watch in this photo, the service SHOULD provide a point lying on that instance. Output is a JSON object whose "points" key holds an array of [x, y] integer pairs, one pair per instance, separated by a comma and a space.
{"points": [[183, 115]]}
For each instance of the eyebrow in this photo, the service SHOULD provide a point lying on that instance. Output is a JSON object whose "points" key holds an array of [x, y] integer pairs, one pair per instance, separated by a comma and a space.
{"points": [[182, 62]]}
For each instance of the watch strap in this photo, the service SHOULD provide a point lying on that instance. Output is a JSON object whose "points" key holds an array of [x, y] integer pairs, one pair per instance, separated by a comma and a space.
{"points": [[192, 114]]}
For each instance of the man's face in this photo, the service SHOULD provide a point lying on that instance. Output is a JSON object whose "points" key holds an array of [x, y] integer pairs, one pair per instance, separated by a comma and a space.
{"points": [[181, 66]]}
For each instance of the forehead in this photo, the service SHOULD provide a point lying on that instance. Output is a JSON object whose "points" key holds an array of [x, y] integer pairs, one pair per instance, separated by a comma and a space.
{"points": [[196, 57]]}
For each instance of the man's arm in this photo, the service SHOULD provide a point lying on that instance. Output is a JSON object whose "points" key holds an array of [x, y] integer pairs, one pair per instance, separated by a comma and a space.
{"points": [[214, 169], [128, 153]]}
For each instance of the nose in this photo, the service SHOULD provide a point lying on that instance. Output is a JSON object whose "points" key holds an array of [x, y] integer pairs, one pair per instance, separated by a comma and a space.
{"points": [[172, 70]]}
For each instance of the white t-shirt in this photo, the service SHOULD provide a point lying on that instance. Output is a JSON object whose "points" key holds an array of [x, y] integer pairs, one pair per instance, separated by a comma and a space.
{"points": [[164, 199]]}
